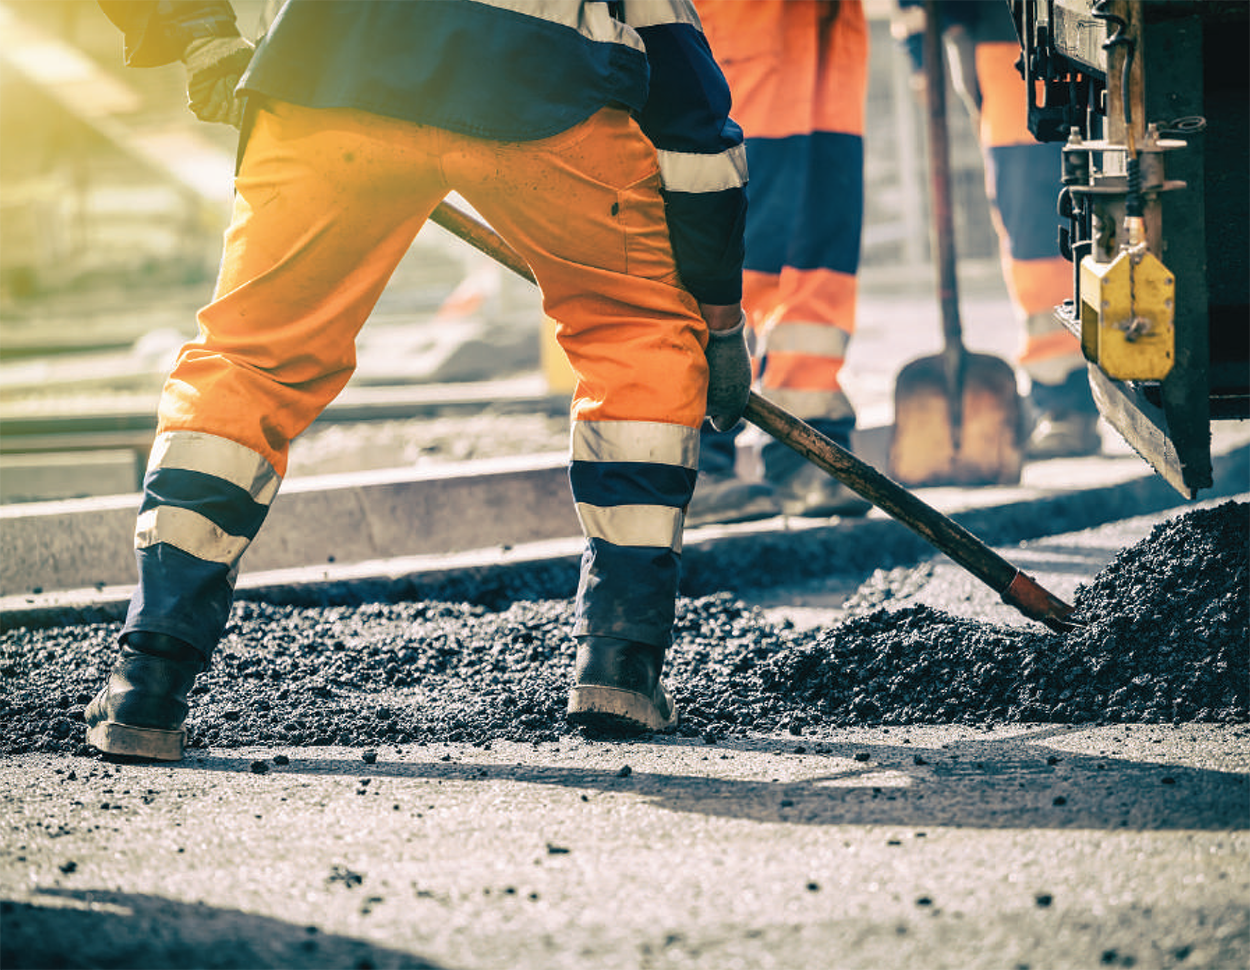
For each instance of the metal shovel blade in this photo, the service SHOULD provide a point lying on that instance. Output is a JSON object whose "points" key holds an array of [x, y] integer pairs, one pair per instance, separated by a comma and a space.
{"points": [[982, 443], [957, 415]]}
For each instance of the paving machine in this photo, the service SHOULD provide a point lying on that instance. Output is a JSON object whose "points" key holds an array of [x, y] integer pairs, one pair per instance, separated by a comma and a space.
{"points": [[1151, 99]]}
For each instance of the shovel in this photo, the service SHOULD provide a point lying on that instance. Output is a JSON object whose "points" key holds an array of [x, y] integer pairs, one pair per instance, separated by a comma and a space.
{"points": [[957, 415], [1014, 587]]}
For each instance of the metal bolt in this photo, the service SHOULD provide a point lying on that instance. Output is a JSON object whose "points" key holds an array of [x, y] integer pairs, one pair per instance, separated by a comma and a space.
{"points": [[1137, 327]]}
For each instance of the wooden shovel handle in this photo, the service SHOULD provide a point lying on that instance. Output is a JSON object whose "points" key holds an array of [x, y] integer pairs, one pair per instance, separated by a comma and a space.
{"points": [[481, 237], [940, 179], [944, 533]]}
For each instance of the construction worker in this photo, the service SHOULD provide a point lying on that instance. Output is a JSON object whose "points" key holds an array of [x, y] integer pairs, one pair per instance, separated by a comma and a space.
{"points": [[798, 71], [1022, 183], [600, 148]]}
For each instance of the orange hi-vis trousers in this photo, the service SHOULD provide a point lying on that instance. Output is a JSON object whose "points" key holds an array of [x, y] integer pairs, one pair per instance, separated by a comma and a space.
{"points": [[327, 203], [798, 73]]}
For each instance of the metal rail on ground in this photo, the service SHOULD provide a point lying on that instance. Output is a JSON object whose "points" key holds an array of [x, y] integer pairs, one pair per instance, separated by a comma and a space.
{"points": [[127, 424]]}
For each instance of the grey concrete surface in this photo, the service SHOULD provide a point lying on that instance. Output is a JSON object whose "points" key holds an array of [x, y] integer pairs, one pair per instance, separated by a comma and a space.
{"points": [[342, 518], [31, 477], [1037, 845]]}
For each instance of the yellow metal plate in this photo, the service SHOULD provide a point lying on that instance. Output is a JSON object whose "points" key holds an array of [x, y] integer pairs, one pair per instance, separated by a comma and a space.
{"points": [[1127, 314]]}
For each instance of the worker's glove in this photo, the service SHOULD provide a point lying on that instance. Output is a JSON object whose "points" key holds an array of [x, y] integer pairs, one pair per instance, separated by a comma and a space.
{"points": [[214, 66], [729, 375]]}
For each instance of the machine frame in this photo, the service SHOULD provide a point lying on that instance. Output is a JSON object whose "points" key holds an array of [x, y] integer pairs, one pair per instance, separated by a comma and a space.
{"points": [[1152, 101]]}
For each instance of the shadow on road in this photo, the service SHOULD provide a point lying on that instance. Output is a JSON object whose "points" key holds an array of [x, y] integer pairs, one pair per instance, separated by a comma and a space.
{"points": [[99, 928], [1012, 783]]}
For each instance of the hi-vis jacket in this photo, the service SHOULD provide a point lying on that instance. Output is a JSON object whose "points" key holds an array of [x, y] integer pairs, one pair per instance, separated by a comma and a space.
{"points": [[430, 62]]}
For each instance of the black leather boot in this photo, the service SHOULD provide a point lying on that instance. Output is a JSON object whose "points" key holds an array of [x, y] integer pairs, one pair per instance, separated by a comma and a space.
{"points": [[801, 488], [141, 710], [617, 688]]}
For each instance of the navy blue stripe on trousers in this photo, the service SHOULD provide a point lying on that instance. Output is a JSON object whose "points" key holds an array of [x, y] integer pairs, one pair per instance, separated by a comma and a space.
{"points": [[1025, 181], [181, 596], [223, 503], [805, 201], [631, 483]]}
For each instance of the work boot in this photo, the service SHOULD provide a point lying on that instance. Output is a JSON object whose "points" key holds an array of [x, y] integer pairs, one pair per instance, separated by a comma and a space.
{"points": [[720, 495], [1065, 419], [617, 687], [1064, 434], [813, 493], [805, 490], [725, 498], [141, 710]]}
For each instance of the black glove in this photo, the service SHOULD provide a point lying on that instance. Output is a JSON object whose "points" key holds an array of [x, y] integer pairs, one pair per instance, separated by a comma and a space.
{"points": [[729, 375], [214, 66]]}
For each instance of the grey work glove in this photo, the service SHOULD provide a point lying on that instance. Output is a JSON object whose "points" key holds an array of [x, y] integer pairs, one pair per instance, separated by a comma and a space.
{"points": [[214, 66], [729, 375]]}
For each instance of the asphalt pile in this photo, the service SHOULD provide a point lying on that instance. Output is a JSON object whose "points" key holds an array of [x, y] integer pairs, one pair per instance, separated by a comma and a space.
{"points": [[1165, 637]]}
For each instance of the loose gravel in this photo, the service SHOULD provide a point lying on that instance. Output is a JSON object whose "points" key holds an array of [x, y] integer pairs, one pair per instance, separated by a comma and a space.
{"points": [[1165, 640]]}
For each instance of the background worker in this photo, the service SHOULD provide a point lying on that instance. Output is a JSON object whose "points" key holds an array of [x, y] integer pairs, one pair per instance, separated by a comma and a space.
{"points": [[601, 150], [798, 71], [1022, 180]]}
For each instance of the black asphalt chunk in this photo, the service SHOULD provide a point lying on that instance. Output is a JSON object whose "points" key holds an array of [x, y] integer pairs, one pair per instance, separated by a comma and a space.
{"points": [[1165, 641]]}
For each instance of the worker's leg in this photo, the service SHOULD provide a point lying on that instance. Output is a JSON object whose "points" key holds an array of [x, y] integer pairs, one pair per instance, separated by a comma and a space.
{"points": [[322, 215], [798, 72], [804, 227], [1022, 181], [326, 204], [584, 209]]}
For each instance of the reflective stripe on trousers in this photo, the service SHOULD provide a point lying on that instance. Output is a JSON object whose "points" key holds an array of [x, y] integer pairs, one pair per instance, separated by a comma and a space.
{"points": [[204, 499]]}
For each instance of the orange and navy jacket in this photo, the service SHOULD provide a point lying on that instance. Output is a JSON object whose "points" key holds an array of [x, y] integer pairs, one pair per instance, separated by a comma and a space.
{"points": [[507, 70]]}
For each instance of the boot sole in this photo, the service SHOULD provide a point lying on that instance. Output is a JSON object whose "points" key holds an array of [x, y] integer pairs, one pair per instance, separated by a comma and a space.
{"points": [[611, 710], [137, 742]]}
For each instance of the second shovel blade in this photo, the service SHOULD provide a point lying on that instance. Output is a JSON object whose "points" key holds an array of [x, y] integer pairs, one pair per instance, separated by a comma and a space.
{"points": [[988, 446]]}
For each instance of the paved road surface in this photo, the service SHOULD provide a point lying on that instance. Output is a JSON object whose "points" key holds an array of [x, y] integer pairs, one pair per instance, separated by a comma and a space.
{"points": [[1041, 846]]}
